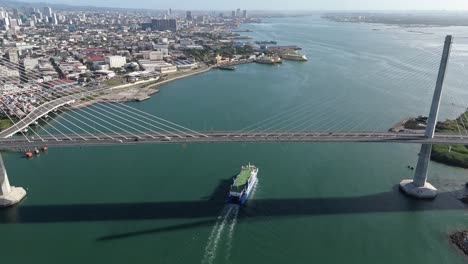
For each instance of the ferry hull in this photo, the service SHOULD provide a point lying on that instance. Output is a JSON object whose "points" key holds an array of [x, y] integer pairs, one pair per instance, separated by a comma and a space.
{"points": [[241, 200]]}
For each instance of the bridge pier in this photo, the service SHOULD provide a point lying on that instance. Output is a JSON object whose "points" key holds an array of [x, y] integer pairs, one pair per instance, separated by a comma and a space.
{"points": [[9, 195], [419, 187]]}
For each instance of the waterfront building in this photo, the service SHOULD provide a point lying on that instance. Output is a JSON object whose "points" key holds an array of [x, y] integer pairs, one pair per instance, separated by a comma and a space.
{"points": [[244, 14], [116, 61], [238, 12], [160, 66], [233, 14]]}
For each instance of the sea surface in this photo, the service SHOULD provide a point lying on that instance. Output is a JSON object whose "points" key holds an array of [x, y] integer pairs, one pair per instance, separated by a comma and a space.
{"points": [[314, 202]]}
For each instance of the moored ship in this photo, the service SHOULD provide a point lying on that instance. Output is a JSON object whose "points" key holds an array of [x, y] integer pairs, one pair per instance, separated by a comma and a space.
{"points": [[227, 67], [243, 185], [265, 60], [294, 56], [264, 42]]}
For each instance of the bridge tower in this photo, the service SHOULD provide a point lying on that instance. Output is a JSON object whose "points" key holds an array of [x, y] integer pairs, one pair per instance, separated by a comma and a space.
{"points": [[9, 195], [419, 187]]}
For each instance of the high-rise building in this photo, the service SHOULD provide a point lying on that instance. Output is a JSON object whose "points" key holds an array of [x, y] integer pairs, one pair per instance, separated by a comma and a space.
{"points": [[47, 11], [244, 14], [13, 23], [238, 12], [233, 14], [169, 12], [189, 15], [54, 19], [161, 25]]}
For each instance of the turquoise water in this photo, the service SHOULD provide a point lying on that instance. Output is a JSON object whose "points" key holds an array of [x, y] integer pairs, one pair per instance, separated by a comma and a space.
{"points": [[324, 203]]}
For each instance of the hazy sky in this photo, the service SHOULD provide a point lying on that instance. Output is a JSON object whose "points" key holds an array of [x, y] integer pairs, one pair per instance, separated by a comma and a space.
{"points": [[278, 4]]}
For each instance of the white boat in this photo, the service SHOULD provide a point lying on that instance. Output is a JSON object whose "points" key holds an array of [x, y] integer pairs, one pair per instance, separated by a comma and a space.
{"points": [[243, 185]]}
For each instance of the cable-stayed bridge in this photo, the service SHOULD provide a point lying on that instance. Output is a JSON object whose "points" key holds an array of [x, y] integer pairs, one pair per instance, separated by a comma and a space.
{"points": [[112, 123], [229, 137]]}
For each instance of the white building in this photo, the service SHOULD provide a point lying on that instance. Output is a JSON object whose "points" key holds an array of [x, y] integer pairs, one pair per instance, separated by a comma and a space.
{"points": [[116, 61], [160, 66], [153, 55], [30, 63]]}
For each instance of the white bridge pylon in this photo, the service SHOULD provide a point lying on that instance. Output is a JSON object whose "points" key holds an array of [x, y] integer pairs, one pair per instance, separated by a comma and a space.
{"points": [[419, 187], [9, 195]]}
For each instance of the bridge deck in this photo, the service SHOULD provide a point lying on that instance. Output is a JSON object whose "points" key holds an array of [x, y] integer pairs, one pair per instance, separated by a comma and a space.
{"points": [[18, 142]]}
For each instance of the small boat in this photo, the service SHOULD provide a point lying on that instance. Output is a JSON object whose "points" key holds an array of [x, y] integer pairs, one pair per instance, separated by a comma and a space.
{"points": [[36, 151], [227, 68], [28, 154], [243, 185], [44, 148]]}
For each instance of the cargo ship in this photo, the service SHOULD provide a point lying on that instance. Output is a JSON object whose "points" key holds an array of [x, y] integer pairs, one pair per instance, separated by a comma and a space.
{"points": [[294, 56], [243, 185]]}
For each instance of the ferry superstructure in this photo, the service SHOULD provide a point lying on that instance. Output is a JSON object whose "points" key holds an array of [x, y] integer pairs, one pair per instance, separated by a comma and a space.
{"points": [[243, 185]]}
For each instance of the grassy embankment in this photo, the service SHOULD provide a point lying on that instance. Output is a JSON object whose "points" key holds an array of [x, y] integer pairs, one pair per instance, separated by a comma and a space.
{"points": [[5, 123], [455, 155]]}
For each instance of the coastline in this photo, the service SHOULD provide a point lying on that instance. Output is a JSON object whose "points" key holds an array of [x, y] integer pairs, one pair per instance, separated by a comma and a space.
{"points": [[450, 155], [136, 92]]}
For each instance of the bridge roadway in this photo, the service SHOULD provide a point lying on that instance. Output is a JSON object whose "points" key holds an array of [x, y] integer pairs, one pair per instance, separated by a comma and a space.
{"points": [[35, 114], [20, 143]]}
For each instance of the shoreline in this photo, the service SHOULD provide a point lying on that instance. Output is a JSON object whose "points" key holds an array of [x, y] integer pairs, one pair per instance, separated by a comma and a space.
{"points": [[148, 91]]}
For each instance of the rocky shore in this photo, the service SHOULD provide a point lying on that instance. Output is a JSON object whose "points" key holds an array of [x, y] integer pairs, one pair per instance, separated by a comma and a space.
{"points": [[460, 239]]}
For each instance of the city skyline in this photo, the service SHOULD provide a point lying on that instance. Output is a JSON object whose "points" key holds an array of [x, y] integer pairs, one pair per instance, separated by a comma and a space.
{"points": [[293, 5]]}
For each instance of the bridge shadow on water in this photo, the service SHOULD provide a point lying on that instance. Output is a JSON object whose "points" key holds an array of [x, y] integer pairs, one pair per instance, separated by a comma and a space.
{"points": [[205, 212]]}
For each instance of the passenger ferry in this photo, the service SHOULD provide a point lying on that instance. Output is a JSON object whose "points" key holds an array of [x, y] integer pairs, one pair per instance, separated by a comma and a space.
{"points": [[243, 185]]}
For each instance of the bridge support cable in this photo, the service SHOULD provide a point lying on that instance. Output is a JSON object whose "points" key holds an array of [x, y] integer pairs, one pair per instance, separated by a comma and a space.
{"points": [[326, 117], [51, 87], [337, 124], [430, 61], [69, 129], [162, 124], [174, 126], [11, 120], [63, 112], [421, 85], [56, 129], [284, 114], [324, 105], [94, 111], [455, 84], [405, 73], [45, 130], [400, 78], [419, 187], [282, 124], [19, 122]]}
